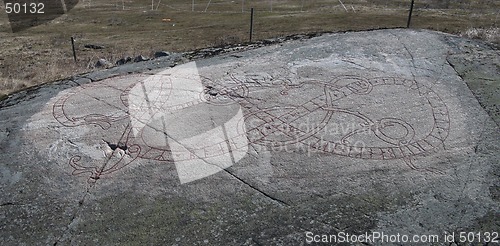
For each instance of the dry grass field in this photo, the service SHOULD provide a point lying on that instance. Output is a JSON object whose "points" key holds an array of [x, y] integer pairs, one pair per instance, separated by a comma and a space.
{"points": [[130, 27]]}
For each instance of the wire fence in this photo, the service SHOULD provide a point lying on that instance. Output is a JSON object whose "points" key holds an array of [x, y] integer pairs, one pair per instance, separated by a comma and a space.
{"points": [[238, 6], [141, 27], [457, 16]]}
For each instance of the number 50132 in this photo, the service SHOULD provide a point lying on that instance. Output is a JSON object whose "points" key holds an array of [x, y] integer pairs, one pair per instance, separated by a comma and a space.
{"points": [[24, 8]]}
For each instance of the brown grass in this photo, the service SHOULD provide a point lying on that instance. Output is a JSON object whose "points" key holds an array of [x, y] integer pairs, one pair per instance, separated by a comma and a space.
{"points": [[43, 53], [490, 34]]}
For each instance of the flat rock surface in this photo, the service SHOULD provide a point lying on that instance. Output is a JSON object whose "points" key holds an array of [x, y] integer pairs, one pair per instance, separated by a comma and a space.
{"points": [[366, 132]]}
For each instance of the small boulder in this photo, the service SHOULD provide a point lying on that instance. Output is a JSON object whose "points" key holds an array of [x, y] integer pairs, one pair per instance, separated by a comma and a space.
{"points": [[270, 41], [124, 60], [161, 54], [103, 63], [140, 58], [93, 46]]}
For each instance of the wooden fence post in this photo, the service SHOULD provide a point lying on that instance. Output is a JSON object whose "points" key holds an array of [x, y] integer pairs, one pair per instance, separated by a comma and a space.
{"points": [[251, 24], [409, 16], [73, 46]]}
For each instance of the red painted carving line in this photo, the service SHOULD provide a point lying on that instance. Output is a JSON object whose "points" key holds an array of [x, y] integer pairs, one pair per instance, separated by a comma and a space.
{"points": [[240, 94], [62, 117], [365, 87], [417, 145]]}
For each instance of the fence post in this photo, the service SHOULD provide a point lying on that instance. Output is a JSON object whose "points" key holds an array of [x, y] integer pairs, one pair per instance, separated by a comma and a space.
{"points": [[409, 16], [73, 46], [251, 24]]}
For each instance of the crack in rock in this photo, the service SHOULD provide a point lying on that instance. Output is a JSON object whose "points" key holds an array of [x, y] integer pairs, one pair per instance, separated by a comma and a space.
{"points": [[454, 68], [279, 201]]}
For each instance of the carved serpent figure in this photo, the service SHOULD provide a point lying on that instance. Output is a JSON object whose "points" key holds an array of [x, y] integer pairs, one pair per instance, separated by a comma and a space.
{"points": [[272, 117]]}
